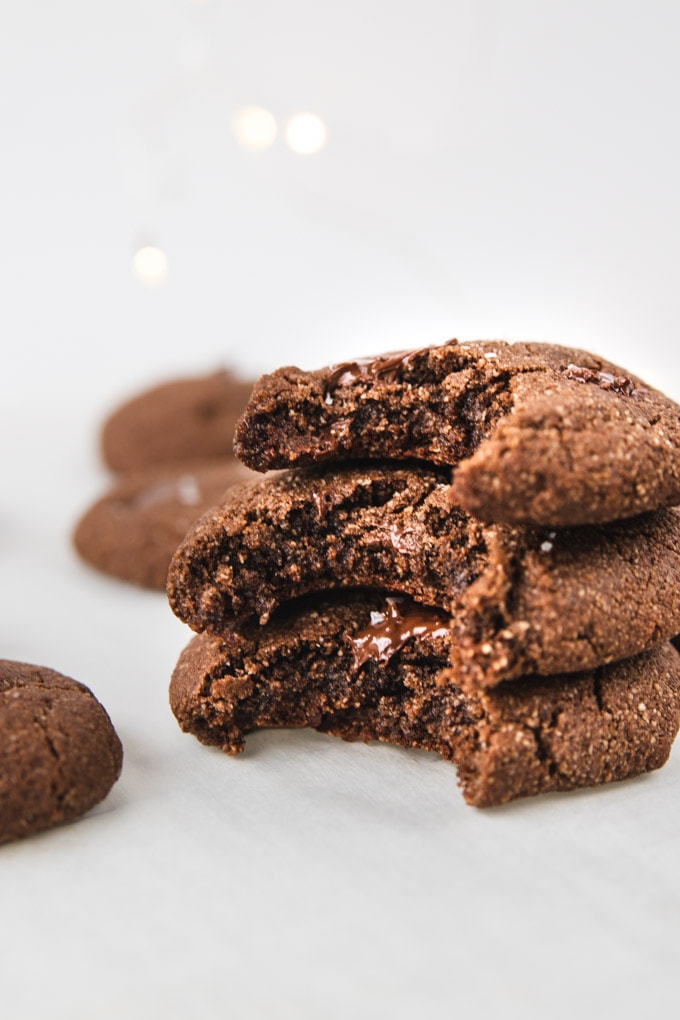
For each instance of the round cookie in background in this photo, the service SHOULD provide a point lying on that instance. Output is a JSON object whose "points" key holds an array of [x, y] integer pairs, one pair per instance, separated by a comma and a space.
{"points": [[180, 420], [133, 531], [59, 752]]}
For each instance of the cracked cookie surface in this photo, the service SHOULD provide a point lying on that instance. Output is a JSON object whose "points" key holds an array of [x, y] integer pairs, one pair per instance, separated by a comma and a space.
{"points": [[365, 666], [523, 599], [59, 752], [537, 432]]}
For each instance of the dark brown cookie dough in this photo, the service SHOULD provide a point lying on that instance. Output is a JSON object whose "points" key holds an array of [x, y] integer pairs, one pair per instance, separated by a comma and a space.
{"points": [[310, 530], [524, 600], [365, 667], [182, 420], [59, 753], [538, 433], [132, 532]]}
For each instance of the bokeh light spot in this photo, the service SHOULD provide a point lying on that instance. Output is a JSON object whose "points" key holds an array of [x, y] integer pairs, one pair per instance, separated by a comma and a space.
{"points": [[306, 134], [254, 128], [150, 265]]}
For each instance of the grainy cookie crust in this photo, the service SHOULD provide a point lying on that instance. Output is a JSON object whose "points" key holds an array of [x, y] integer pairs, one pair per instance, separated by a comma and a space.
{"points": [[59, 752], [524, 599], [568, 599], [309, 666], [538, 432]]}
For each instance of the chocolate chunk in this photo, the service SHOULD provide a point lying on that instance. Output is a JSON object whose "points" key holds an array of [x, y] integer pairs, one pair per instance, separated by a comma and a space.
{"points": [[388, 367], [397, 621], [182, 420], [520, 739], [59, 753], [537, 432], [606, 380], [524, 600], [132, 532]]}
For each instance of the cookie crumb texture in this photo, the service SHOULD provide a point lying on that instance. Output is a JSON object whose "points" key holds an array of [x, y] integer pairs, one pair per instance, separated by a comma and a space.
{"points": [[530, 737], [524, 600], [182, 420], [59, 752], [537, 432], [312, 530]]}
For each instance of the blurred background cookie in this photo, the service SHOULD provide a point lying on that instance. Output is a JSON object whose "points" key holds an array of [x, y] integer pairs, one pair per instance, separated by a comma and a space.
{"points": [[180, 420]]}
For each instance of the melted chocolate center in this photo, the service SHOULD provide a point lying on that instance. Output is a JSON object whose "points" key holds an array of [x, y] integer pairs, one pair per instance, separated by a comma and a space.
{"points": [[389, 630]]}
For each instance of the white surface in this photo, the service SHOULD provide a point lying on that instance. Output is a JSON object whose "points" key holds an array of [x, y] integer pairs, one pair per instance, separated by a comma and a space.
{"points": [[492, 169]]}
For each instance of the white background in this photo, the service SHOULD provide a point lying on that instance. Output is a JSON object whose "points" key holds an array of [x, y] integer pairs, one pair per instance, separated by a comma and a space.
{"points": [[493, 169]]}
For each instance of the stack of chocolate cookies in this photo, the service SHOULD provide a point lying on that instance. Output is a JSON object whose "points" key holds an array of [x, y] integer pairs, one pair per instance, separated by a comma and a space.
{"points": [[471, 549]]}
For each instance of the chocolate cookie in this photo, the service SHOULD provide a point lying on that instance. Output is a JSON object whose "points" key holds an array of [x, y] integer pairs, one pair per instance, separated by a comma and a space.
{"points": [[537, 432], [182, 420], [59, 753], [310, 530], [524, 600], [132, 532], [368, 667]]}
